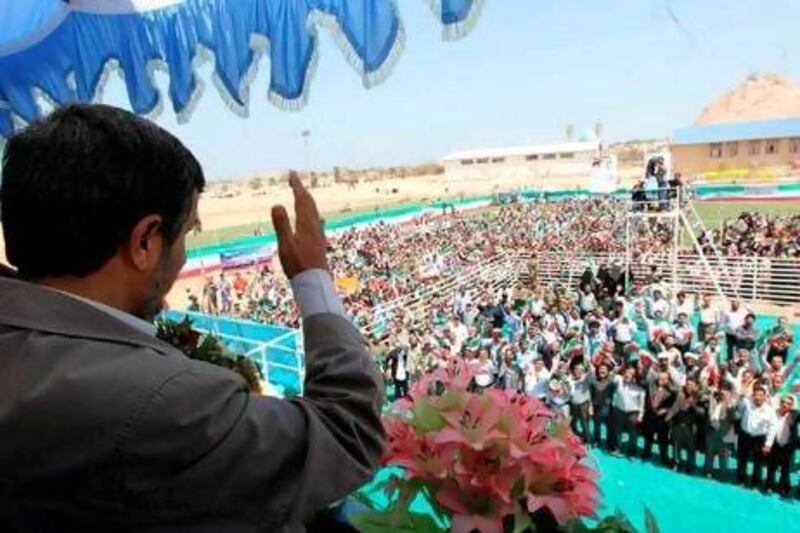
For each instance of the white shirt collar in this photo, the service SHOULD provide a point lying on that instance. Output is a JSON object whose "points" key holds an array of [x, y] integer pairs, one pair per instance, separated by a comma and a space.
{"points": [[133, 321]]}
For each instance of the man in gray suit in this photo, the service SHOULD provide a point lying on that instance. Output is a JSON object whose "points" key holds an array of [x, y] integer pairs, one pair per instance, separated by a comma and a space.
{"points": [[103, 426]]}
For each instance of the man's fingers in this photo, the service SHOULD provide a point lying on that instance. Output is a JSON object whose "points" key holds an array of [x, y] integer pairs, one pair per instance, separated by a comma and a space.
{"points": [[305, 208], [300, 195], [294, 180], [283, 228]]}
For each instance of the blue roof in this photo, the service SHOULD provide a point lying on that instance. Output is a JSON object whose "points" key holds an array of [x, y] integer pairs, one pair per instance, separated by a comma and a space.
{"points": [[738, 131]]}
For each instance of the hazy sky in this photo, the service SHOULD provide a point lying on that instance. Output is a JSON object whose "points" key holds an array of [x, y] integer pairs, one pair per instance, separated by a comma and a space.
{"points": [[530, 67]]}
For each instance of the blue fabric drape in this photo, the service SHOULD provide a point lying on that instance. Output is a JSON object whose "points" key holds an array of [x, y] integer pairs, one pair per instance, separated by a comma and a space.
{"points": [[82, 43], [456, 11], [19, 19]]}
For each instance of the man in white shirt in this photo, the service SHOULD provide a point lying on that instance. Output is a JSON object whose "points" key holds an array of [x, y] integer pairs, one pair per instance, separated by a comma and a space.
{"points": [[580, 401], [758, 422], [682, 305], [459, 331], [537, 305], [709, 319], [484, 369], [537, 378], [586, 300], [628, 410], [683, 332], [774, 385], [458, 303], [623, 330], [397, 362], [732, 319], [781, 444], [658, 304], [471, 314]]}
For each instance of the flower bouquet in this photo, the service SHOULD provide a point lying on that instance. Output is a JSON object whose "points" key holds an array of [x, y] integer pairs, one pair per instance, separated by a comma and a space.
{"points": [[489, 461], [207, 348]]}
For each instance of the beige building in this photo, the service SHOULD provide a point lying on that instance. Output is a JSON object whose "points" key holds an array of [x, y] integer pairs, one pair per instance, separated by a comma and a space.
{"points": [[745, 150], [533, 161]]}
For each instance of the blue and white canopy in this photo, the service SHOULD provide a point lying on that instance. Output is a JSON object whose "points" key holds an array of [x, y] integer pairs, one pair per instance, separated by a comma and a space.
{"points": [[62, 50]]}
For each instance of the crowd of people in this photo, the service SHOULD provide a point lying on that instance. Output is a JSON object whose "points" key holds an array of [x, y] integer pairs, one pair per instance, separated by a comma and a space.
{"points": [[392, 260], [759, 234], [634, 367], [631, 365], [387, 261]]}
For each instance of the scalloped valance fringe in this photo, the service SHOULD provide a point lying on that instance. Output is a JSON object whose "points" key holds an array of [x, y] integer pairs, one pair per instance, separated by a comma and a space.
{"points": [[73, 61]]}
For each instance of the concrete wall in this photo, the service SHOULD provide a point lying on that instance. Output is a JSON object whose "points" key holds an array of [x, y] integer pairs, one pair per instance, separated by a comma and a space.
{"points": [[515, 167], [736, 161]]}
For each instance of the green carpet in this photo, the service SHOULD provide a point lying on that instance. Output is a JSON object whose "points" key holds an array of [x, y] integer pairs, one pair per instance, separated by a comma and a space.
{"points": [[680, 503], [683, 503]]}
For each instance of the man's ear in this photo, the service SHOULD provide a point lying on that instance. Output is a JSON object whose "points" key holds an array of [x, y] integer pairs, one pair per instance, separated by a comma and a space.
{"points": [[146, 243]]}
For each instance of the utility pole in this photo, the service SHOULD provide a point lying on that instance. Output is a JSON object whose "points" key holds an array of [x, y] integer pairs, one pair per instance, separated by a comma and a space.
{"points": [[306, 134]]}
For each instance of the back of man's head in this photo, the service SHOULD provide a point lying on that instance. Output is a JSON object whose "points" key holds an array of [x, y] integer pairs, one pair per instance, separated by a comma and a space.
{"points": [[77, 183]]}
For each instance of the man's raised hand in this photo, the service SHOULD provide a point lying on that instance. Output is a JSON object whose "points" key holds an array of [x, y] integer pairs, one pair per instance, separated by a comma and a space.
{"points": [[304, 247]]}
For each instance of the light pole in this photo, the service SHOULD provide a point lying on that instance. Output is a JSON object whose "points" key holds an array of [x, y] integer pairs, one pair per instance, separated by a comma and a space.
{"points": [[306, 134]]}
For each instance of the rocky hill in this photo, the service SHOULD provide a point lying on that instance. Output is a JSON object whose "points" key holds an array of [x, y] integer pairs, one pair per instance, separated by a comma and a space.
{"points": [[759, 97]]}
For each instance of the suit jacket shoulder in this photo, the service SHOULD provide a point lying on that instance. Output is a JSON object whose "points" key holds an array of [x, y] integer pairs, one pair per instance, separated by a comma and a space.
{"points": [[126, 432]]}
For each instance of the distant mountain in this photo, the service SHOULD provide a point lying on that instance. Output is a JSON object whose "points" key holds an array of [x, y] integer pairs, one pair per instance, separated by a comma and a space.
{"points": [[759, 97]]}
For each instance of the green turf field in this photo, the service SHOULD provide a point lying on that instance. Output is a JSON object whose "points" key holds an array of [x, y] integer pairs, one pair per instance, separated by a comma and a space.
{"points": [[214, 236], [713, 213]]}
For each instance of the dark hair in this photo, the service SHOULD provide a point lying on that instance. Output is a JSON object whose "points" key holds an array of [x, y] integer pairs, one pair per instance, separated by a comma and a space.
{"points": [[759, 387], [76, 183], [770, 357], [651, 167]]}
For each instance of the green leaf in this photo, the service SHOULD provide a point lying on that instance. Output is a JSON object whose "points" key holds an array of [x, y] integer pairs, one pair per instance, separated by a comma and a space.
{"points": [[505, 424], [577, 526], [208, 348], [395, 519], [427, 418], [372, 522], [560, 431], [616, 523], [650, 522], [522, 520], [452, 400], [425, 523], [441, 515]]}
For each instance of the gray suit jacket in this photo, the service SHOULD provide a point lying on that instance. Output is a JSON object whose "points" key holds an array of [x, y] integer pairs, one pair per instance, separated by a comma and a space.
{"points": [[103, 427]]}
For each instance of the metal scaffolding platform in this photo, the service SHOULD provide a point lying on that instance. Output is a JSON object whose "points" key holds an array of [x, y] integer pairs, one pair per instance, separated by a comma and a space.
{"points": [[676, 208]]}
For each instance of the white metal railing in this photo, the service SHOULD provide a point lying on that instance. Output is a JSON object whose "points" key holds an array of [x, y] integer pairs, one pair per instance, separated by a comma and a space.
{"points": [[463, 274], [493, 275], [771, 280], [766, 279], [716, 266], [499, 270]]}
